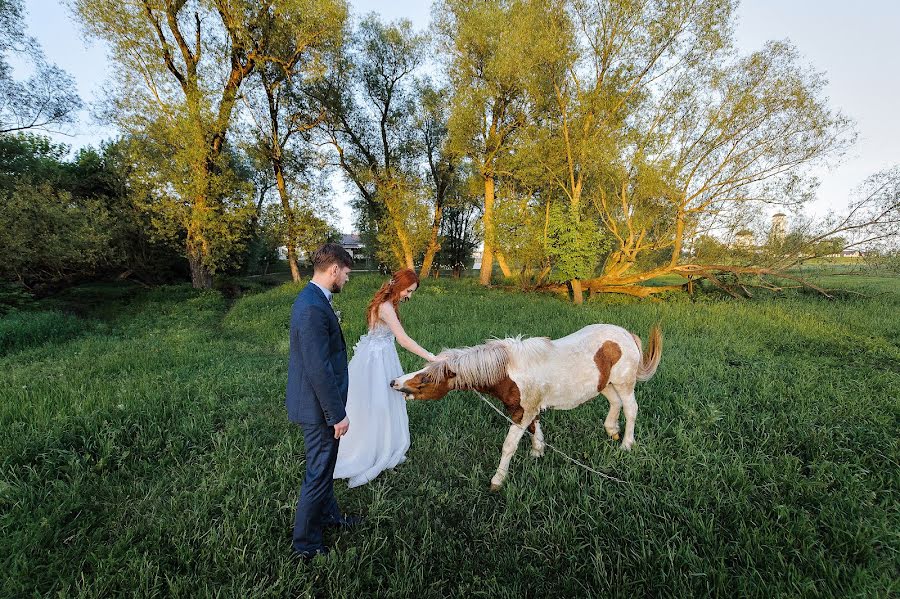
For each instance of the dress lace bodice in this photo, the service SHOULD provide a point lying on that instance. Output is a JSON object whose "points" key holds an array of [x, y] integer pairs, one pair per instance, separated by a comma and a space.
{"points": [[379, 337]]}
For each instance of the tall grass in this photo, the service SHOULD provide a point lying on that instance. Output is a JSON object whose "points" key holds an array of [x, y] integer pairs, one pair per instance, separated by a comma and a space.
{"points": [[145, 451]]}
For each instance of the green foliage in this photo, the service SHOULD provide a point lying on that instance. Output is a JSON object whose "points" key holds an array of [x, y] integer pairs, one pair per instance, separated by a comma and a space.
{"points": [[487, 46], [271, 231], [520, 231], [710, 250], [152, 456], [369, 107], [459, 233], [886, 260], [639, 114], [165, 185], [44, 234], [67, 219], [32, 158], [574, 245], [54, 225]]}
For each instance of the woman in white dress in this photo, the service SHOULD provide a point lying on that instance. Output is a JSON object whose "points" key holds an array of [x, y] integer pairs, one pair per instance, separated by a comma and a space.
{"points": [[378, 436]]}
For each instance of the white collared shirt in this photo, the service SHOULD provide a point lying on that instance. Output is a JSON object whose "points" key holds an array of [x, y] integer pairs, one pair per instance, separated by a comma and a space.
{"points": [[327, 292]]}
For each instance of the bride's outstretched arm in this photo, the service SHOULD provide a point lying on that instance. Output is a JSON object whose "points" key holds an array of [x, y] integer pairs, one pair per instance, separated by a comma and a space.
{"points": [[389, 316]]}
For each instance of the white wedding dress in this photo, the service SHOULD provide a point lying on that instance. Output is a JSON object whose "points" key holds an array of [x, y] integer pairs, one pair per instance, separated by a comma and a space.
{"points": [[379, 427]]}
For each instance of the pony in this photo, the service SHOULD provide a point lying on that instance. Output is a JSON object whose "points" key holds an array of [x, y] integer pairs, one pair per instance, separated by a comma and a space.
{"points": [[534, 374]]}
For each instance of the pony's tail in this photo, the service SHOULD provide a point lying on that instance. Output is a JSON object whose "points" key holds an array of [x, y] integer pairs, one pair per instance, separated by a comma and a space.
{"points": [[651, 357]]}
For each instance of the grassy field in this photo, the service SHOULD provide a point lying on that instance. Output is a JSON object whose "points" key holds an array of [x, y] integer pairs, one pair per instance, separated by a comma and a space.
{"points": [[145, 451]]}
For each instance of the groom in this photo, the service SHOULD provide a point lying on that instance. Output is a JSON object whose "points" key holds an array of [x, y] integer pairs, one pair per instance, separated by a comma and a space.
{"points": [[317, 394]]}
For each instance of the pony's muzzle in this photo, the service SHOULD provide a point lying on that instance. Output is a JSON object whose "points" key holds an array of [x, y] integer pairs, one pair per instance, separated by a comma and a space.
{"points": [[396, 385]]}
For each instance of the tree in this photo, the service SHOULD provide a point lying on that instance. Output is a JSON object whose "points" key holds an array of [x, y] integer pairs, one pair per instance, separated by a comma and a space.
{"points": [[488, 45], [46, 234], [648, 124], [442, 163], [367, 100], [297, 36], [872, 220], [599, 69], [64, 220], [459, 213], [870, 223], [181, 65], [46, 100]]}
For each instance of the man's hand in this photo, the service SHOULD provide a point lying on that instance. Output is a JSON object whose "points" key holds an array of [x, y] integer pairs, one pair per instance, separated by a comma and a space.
{"points": [[341, 428]]}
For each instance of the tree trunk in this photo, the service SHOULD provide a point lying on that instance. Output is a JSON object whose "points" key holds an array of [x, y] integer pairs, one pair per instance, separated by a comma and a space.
{"points": [[501, 260], [433, 245], [278, 169], [201, 278], [577, 294], [291, 241], [407, 251], [487, 258], [402, 247], [295, 267], [196, 244]]}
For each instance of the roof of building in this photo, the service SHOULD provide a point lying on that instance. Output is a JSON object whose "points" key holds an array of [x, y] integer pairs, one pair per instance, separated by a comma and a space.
{"points": [[351, 240]]}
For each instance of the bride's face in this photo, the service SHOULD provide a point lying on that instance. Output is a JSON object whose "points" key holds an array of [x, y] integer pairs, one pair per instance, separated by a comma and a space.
{"points": [[407, 293]]}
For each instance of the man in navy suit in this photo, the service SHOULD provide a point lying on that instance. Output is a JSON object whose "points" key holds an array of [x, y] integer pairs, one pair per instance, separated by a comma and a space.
{"points": [[317, 394]]}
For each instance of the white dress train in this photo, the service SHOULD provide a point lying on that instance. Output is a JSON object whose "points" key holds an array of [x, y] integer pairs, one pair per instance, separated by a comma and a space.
{"points": [[379, 427]]}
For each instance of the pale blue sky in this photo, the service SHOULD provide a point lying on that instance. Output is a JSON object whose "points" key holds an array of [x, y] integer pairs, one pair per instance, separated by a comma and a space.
{"points": [[856, 44]]}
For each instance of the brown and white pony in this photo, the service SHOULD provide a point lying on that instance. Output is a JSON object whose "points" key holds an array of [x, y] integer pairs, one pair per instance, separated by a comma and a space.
{"points": [[531, 375]]}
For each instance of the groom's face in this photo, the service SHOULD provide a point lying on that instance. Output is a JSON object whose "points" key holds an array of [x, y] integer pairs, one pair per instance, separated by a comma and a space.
{"points": [[339, 277]]}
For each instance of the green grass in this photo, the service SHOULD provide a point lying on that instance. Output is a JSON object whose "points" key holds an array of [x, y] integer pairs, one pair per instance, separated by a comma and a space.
{"points": [[145, 451]]}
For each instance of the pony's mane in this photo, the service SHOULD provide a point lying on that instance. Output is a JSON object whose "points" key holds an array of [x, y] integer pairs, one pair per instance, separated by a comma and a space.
{"points": [[486, 364]]}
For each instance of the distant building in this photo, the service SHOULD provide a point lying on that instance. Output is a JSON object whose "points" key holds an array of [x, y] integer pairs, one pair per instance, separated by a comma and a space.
{"points": [[477, 255], [354, 245], [351, 242], [779, 227], [744, 239], [848, 253]]}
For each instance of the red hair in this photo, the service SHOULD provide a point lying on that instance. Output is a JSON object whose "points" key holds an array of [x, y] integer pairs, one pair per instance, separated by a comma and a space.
{"points": [[390, 292]]}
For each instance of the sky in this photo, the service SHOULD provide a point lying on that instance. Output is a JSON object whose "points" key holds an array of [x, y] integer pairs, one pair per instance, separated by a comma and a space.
{"points": [[855, 44]]}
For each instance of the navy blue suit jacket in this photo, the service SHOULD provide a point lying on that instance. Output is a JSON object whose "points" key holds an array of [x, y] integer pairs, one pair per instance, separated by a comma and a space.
{"points": [[317, 368]]}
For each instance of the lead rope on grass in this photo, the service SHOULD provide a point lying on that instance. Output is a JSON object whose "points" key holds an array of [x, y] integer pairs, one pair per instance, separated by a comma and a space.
{"points": [[560, 452]]}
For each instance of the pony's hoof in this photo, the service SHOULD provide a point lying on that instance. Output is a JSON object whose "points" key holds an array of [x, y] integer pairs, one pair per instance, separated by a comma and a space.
{"points": [[615, 437], [627, 446], [537, 453], [495, 487]]}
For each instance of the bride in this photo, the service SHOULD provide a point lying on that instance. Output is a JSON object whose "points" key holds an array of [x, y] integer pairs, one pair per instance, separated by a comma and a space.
{"points": [[379, 433]]}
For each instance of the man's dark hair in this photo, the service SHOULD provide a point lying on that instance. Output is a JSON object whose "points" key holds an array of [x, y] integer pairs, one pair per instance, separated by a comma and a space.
{"points": [[328, 254]]}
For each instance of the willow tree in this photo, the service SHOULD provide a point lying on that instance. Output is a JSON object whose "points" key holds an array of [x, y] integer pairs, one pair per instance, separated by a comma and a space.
{"points": [[48, 99], [748, 130], [488, 46], [597, 67], [367, 101], [179, 65], [442, 164], [648, 126], [297, 34]]}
